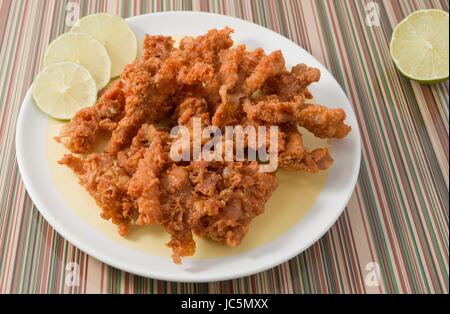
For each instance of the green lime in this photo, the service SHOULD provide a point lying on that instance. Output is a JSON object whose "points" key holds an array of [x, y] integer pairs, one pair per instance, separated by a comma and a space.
{"points": [[63, 88], [419, 46]]}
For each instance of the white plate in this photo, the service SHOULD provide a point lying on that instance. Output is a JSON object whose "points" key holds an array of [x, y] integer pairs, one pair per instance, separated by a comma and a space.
{"points": [[30, 146]]}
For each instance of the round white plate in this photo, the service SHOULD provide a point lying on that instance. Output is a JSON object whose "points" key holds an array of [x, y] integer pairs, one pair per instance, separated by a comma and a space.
{"points": [[30, 147]]}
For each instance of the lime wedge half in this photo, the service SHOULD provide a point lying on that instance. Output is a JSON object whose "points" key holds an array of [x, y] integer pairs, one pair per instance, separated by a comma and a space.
{"points": [[61, 89], [419, 46]]}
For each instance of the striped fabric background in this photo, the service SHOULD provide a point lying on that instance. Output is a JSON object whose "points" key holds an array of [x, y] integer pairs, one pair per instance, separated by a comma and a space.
{"points": [[396, 222]]}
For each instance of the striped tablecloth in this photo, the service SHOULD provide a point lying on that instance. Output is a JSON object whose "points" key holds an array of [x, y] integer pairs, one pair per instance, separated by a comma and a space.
{"points": [[396, 223]]}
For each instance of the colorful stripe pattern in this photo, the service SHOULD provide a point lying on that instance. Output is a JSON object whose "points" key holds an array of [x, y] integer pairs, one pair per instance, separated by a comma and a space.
{"points": [[397, 222]]}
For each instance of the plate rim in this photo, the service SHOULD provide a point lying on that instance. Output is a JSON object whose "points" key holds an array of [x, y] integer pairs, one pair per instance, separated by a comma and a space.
{"points": [[59, 228]]}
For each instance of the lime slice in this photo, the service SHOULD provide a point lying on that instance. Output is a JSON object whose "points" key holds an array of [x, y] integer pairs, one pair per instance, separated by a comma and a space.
{"points": [[82, 49], [63, 88], [114, 33], [419, 46]]}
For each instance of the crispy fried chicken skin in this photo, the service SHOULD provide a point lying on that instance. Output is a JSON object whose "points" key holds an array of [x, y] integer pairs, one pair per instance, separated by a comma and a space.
{"points": [[136, 182]]}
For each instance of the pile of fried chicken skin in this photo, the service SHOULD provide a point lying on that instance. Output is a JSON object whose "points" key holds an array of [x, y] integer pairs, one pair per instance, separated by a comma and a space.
{"points": [[134, 180]]}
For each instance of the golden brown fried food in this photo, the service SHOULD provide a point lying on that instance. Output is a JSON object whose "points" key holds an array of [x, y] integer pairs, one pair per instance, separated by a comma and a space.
{"points": [[289, 84], [135, 181], [272, 110], [158, 47], [234, 87], [80, 134], [206, 47], [144, 100], [324, 122], [293, 155], [269, 66], [214, 200], [144, 184], [230, 195], [192, 108], [108, 185]]}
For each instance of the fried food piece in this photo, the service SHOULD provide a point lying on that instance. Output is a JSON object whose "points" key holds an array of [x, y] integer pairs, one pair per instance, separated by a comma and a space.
{"points": [[228, 76], [324, 122], [136, 182], [143, 102], [234, 63], [206, 47], [144, 184], [229, 111], [234, 193], [269, 66], [273, 111], [215, 200], [293, 155], [80, 134], [158, 47], [177, 201], [289, 84], [195, 74], [107, 183], [128, 158], [192, 108], [150, 81], [197, 57]]}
